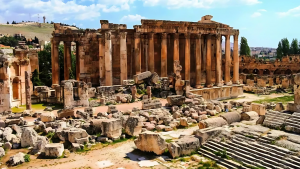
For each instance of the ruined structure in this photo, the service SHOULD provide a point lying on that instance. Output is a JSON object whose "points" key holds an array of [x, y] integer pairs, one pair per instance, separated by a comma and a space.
{"points": [[112, 54]]}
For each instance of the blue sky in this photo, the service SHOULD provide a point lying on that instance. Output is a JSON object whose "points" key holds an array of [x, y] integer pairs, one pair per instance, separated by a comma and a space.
{"points": [[262, 22]]}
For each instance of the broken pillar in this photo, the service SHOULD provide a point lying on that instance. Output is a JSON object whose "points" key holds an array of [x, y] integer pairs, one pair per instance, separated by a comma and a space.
{"points": [[27, 90]]}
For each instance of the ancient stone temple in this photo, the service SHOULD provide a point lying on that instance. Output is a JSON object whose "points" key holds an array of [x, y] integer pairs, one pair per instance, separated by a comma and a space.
{"points": [[109, 55]]}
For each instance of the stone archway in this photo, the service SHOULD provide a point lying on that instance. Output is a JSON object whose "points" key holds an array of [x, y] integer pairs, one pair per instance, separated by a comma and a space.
{"points": [[246, 71], [255, 71], [266, 72], [288, 72], [277, 72]]}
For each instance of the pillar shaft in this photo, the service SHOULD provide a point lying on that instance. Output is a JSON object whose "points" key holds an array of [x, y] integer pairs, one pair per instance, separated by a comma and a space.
{"points": [[123, 55], [151, 52], [55, 62], [198, 60], [78, 53], [218, 60], [67, 59], [187, 56], [137, 53], [108, 60], [102, 58], [227, 59], [164, 49], [176, 47], [208, 60], [236, 60]]}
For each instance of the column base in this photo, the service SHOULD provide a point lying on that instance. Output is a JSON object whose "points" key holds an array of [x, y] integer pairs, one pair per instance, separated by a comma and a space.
{"points": [[209, 85], [219, 84], [199, 86], [228, 83], [236, 82]]}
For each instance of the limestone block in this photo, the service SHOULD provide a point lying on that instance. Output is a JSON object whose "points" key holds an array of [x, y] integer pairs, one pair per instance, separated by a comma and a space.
{"points": [[76, 133], [260, 109], [231, 117], [151, 142], [133, 126], [249, 116], [2, 152], [29, 137], [112, 128], [66, 113], [7, 134], [185, 145], [16, 159], [176, 100], [112, 109], [48, 117], [82, 115], [183, 122], [206, 134], [212, 122], [279, 107], [54, 150], [12, 121], [141, 76]]}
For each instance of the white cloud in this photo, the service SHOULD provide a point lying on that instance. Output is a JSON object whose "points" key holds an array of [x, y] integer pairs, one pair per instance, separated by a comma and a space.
{"points": [[262, 10], [57, 10], [198, 3], [256, 14], [291, 12], [132, 18]]}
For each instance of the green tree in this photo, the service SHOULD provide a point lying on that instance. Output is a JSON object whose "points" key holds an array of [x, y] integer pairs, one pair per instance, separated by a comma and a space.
{"points": [[35, 79], [8, 41], [285, 46], [294, 47], [244, 47], [7, 22], [279, 51]]}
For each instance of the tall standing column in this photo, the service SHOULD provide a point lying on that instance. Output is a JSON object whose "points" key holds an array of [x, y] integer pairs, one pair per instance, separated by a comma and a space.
{"points": [[218, 61], [137, 53], [151, 52], [236, 59], [78, 53], [108, 59], [227, 60], [208, 60], [187, 56], [176, 47], [164, 49], [123, 55], [55, 62], [67, 59], [102, 58], [198, 60]]}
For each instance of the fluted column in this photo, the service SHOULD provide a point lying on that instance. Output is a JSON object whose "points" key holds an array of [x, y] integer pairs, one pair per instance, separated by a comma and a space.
{"points": [[176, 47], [198, 60], [236, 59], [78, 54], [123, 55], [164, 49], [137, 53], [67, 59], [218, 61], [227, 59], [151, 52], [187, 56], [108, 59], [55, 61], [102, 58], [208, 60]]}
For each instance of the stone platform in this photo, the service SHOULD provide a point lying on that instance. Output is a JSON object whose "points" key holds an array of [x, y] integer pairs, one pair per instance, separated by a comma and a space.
{"points": [[219, 93]]}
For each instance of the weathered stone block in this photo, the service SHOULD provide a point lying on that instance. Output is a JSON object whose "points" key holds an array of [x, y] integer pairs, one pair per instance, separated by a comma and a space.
{"points": [[151, 142], [176, 100], [112, 128], [133, 126], [54, 150], [185, 145]]}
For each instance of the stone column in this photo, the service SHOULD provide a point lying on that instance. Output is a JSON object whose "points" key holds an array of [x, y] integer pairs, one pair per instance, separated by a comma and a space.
{"points": [[102, 58], [236, 59], [187, 56], [164, 49], [123, 55], [137, 53], [198, 60], [108, 59], [151, 52], [176, 47], [78, 52], [67, 59], [227, 60], [208, 60], [218, 61], [27, 90], [55, 61]]}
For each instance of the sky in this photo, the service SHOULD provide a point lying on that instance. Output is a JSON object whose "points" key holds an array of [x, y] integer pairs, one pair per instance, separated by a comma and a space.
{"points": [[262, 22]]}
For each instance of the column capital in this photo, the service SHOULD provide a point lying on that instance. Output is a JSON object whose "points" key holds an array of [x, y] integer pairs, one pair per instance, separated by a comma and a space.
{"points": [[198, 35], [164, 35], [55, 42], [227, 36], [187, 35], [137, 35], [107, 35], [68, 43], [122, 35], [218, 37], [151, 35], [176, 35], [236, 36]]}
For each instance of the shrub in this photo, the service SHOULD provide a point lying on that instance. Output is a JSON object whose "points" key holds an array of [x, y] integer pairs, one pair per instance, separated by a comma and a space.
{"points": [[27, 158]]}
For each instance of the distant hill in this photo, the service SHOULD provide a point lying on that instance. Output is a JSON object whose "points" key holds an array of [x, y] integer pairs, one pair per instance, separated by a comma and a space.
{"points": [[29, 30]]}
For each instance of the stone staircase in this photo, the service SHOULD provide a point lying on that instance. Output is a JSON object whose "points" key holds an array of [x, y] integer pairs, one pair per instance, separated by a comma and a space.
{"points": [[293, 123], [251, 154], [275, 119]]}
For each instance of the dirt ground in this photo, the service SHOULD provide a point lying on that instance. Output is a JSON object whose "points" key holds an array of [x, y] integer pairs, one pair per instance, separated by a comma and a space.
{"points": [[252, 97]]}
